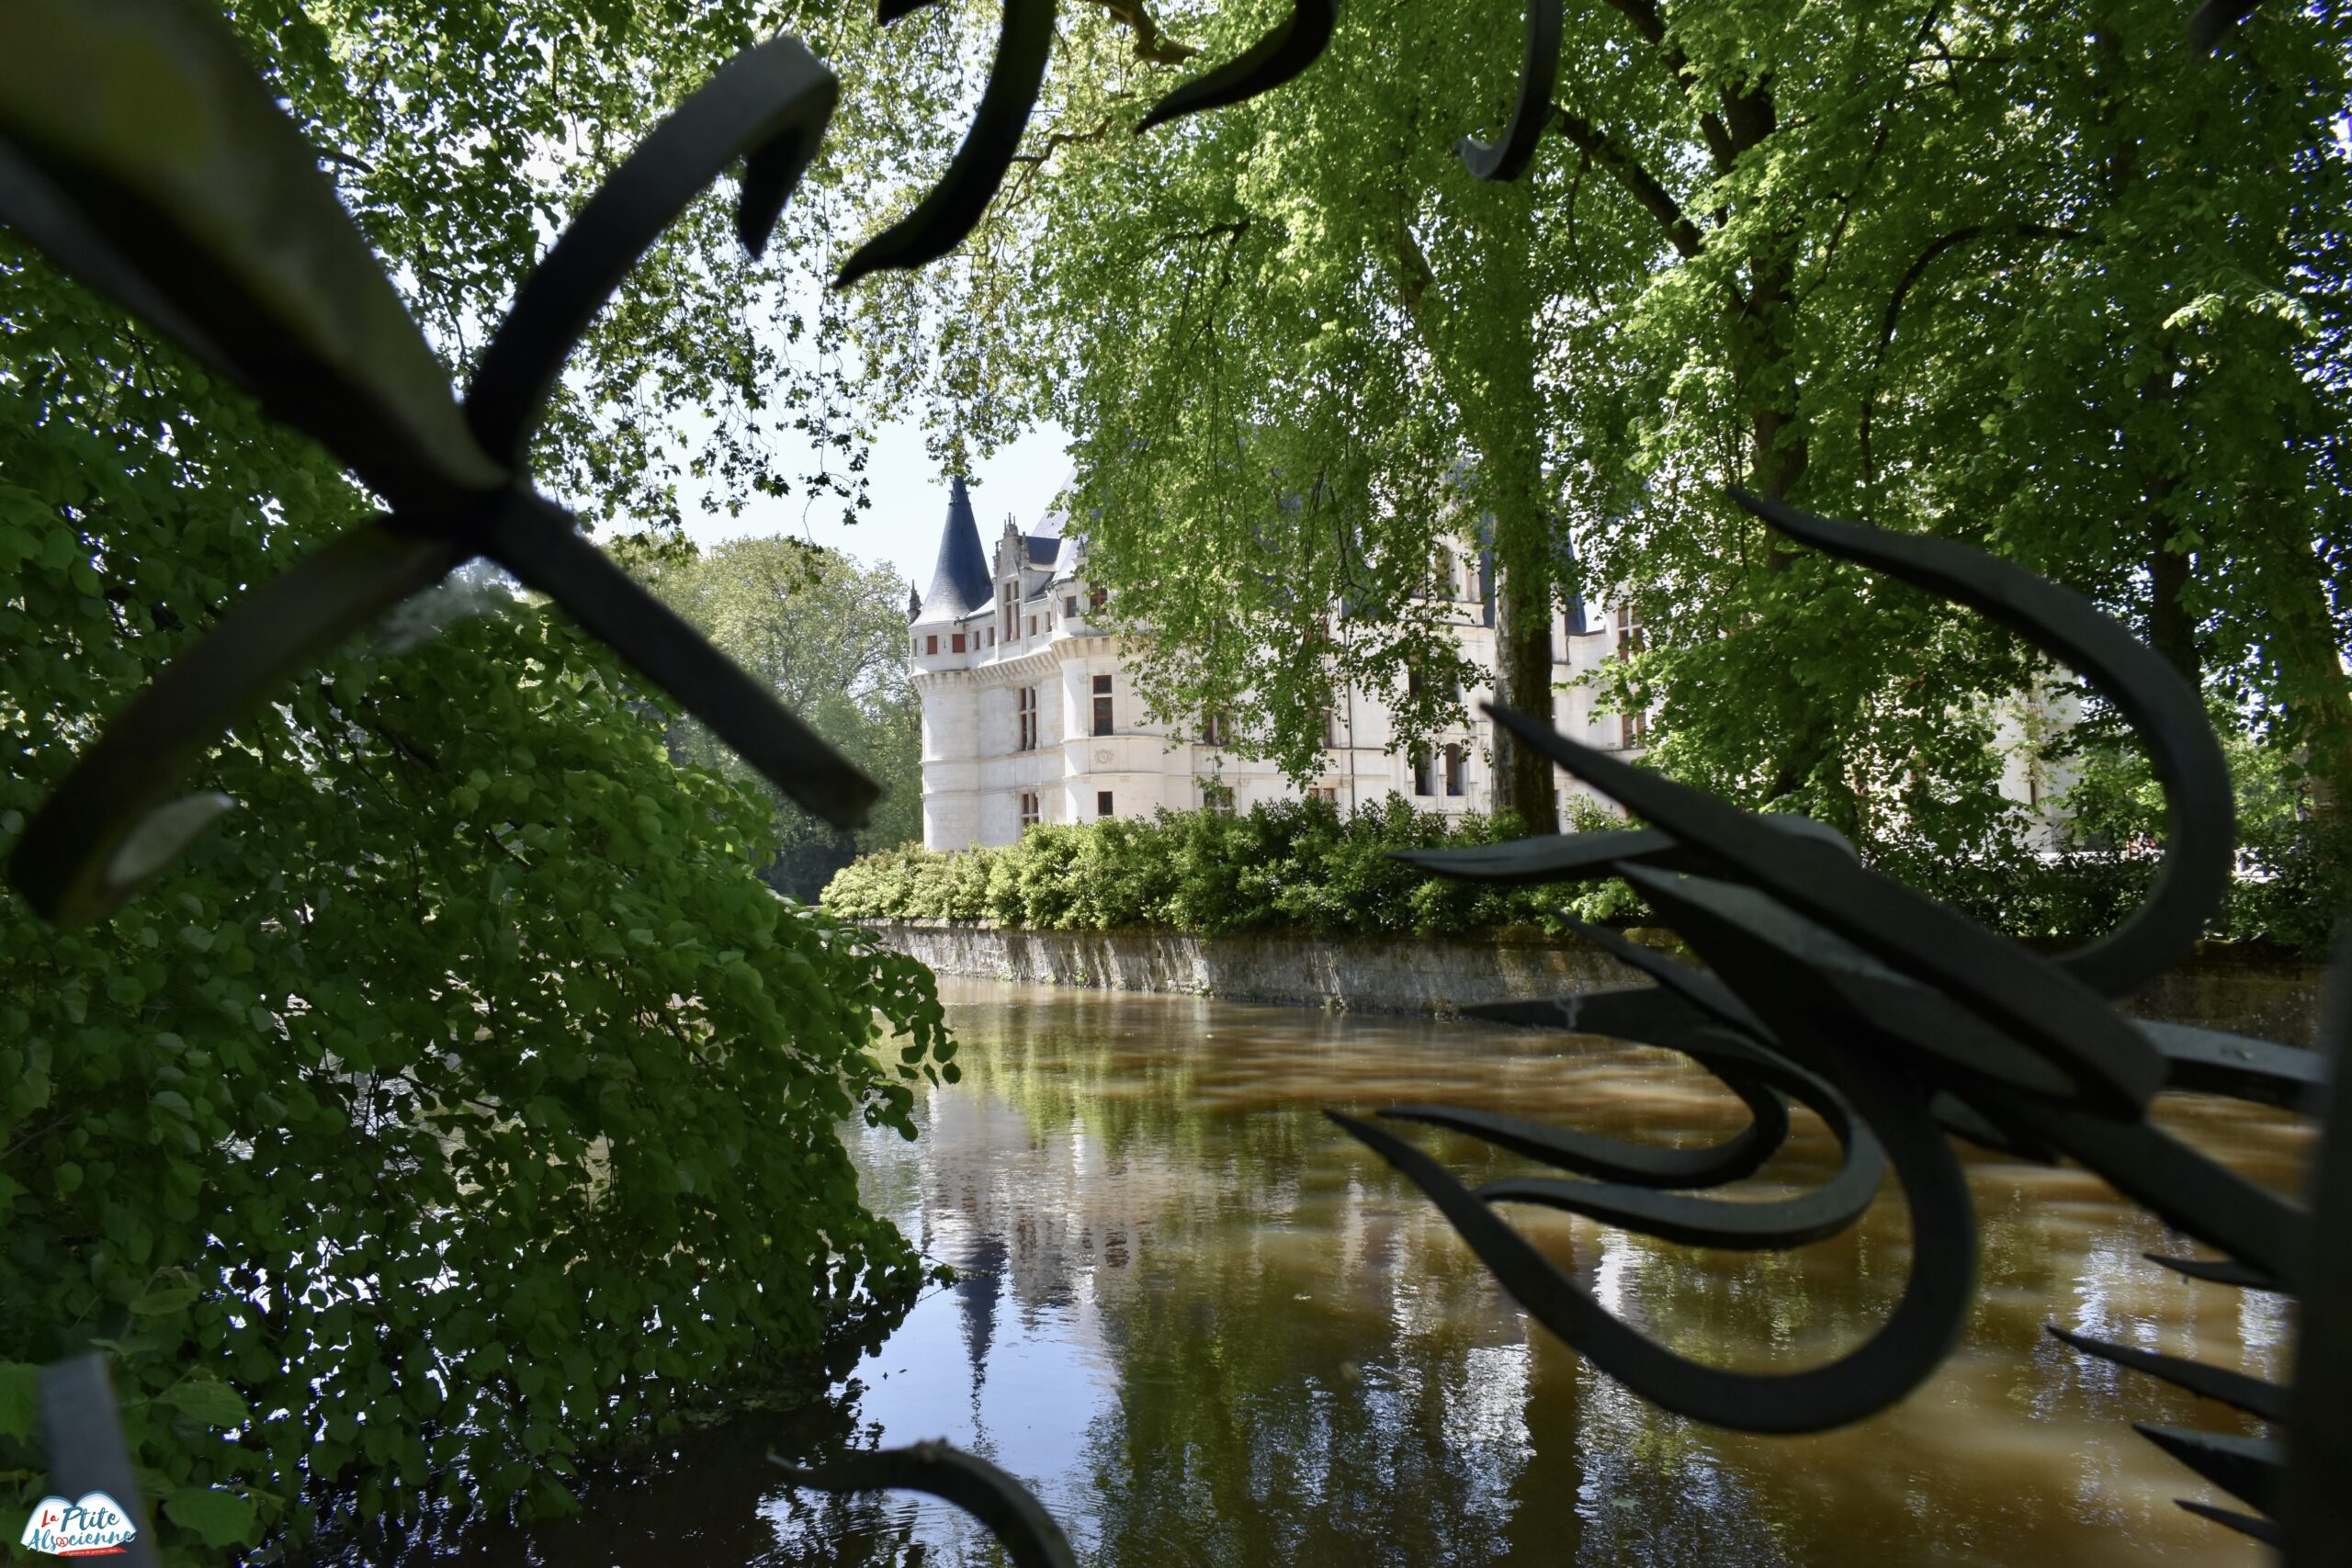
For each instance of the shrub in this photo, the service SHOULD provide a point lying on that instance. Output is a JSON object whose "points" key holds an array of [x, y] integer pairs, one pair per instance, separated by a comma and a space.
{"points": [[1299, 866], [1304, 866], [461, 1101]]}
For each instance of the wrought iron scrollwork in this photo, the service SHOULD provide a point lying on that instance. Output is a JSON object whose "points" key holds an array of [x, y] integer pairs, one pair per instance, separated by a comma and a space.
{"points": [[1293, 43], [1539, 73], [1904, 1024], [1011, 1512], [941, 219]]}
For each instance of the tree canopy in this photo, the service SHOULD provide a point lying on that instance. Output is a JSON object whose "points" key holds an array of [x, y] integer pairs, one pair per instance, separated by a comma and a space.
{"points": [[829, 636], [2044, 279]]}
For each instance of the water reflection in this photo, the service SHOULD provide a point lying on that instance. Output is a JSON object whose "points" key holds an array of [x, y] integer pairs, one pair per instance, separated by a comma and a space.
{"points": [[1208, 1329]]}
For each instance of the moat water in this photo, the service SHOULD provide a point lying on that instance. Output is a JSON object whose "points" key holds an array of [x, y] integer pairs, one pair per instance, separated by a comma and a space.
{"points": [[1209, 1329]]}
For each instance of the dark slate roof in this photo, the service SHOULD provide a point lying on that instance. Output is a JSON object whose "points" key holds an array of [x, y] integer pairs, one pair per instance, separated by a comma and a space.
{"points": [[959, 584], [1041, 551]]}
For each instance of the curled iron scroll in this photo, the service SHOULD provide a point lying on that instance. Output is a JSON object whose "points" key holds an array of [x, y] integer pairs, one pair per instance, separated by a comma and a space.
{"points": [[1292, 44], [1539, 73], [1794, 968], [1011, 1514], [956, 204], [2200, 841], [1906, 1347]]}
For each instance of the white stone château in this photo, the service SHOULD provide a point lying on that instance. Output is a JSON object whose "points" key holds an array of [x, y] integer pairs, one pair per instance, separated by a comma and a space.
{"points": [[1027, 717]]}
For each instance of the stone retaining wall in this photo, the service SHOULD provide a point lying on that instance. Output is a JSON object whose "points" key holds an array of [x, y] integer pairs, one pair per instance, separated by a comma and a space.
{"points": [[2270, 999]]}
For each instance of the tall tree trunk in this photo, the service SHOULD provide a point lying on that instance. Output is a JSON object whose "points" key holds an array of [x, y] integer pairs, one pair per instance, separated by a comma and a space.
{"points": [[1496, 395], [2172, 628], [1523, 599], [1780, 450], [2318, 693]]}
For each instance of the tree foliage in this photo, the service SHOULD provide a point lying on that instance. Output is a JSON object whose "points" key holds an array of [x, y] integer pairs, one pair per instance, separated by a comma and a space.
{"points": [[2040, 277], [830, 637], [463, 1102]]}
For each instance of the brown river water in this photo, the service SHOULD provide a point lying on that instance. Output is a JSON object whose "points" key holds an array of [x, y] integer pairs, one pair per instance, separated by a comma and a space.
{"points": [[1208, 1328]]}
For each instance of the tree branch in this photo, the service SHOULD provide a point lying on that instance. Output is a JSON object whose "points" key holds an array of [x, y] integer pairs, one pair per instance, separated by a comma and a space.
{"points": [[1651, 25], [1056, 140], [1911, 275], [1643, 185], [1232, 230], [1149, 45]]}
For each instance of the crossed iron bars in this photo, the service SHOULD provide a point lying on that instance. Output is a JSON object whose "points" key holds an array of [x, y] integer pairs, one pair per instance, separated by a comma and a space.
{"points": [[139, 151]]}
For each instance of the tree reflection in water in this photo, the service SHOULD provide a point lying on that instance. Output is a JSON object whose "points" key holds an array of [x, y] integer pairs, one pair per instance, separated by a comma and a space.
{"points": [[1206, 1330]]}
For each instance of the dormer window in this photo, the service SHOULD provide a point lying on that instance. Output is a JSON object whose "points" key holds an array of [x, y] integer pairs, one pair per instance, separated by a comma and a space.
{"points": [[1009, 595]]}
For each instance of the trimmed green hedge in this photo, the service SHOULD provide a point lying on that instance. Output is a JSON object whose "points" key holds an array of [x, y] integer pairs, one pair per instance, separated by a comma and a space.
{"points": [[1297, 865], [1304, 866]]}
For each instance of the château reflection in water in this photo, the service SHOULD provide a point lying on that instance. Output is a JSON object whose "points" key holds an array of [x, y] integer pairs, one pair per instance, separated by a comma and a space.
{"points": [[1209, 1329]]}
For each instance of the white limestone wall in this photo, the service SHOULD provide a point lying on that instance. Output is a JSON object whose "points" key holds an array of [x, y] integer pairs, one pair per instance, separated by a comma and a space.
{"points": [[975, 773]]}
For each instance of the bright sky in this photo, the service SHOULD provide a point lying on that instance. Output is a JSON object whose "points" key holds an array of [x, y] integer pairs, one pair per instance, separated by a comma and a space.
{"points": [[910, 501]]}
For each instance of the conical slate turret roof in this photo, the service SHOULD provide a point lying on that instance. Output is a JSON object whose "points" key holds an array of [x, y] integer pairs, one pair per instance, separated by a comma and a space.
{"points": [[959, 584]]}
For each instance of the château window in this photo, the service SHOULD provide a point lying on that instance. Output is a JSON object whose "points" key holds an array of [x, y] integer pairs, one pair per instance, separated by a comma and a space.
{"points": [[1215, 728], [1033, 625], [1328, 794], [1009, 596], [955, 643], [1422, 779], [1633, 729], [1331, 729], [1028, 809], [1103, 708], [1102, 803], [1217, 798], [1455, 770], [1069, 605], [930, 644], [1026, 710], [1444, 573], [1629, 631], [1096, 600]]}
